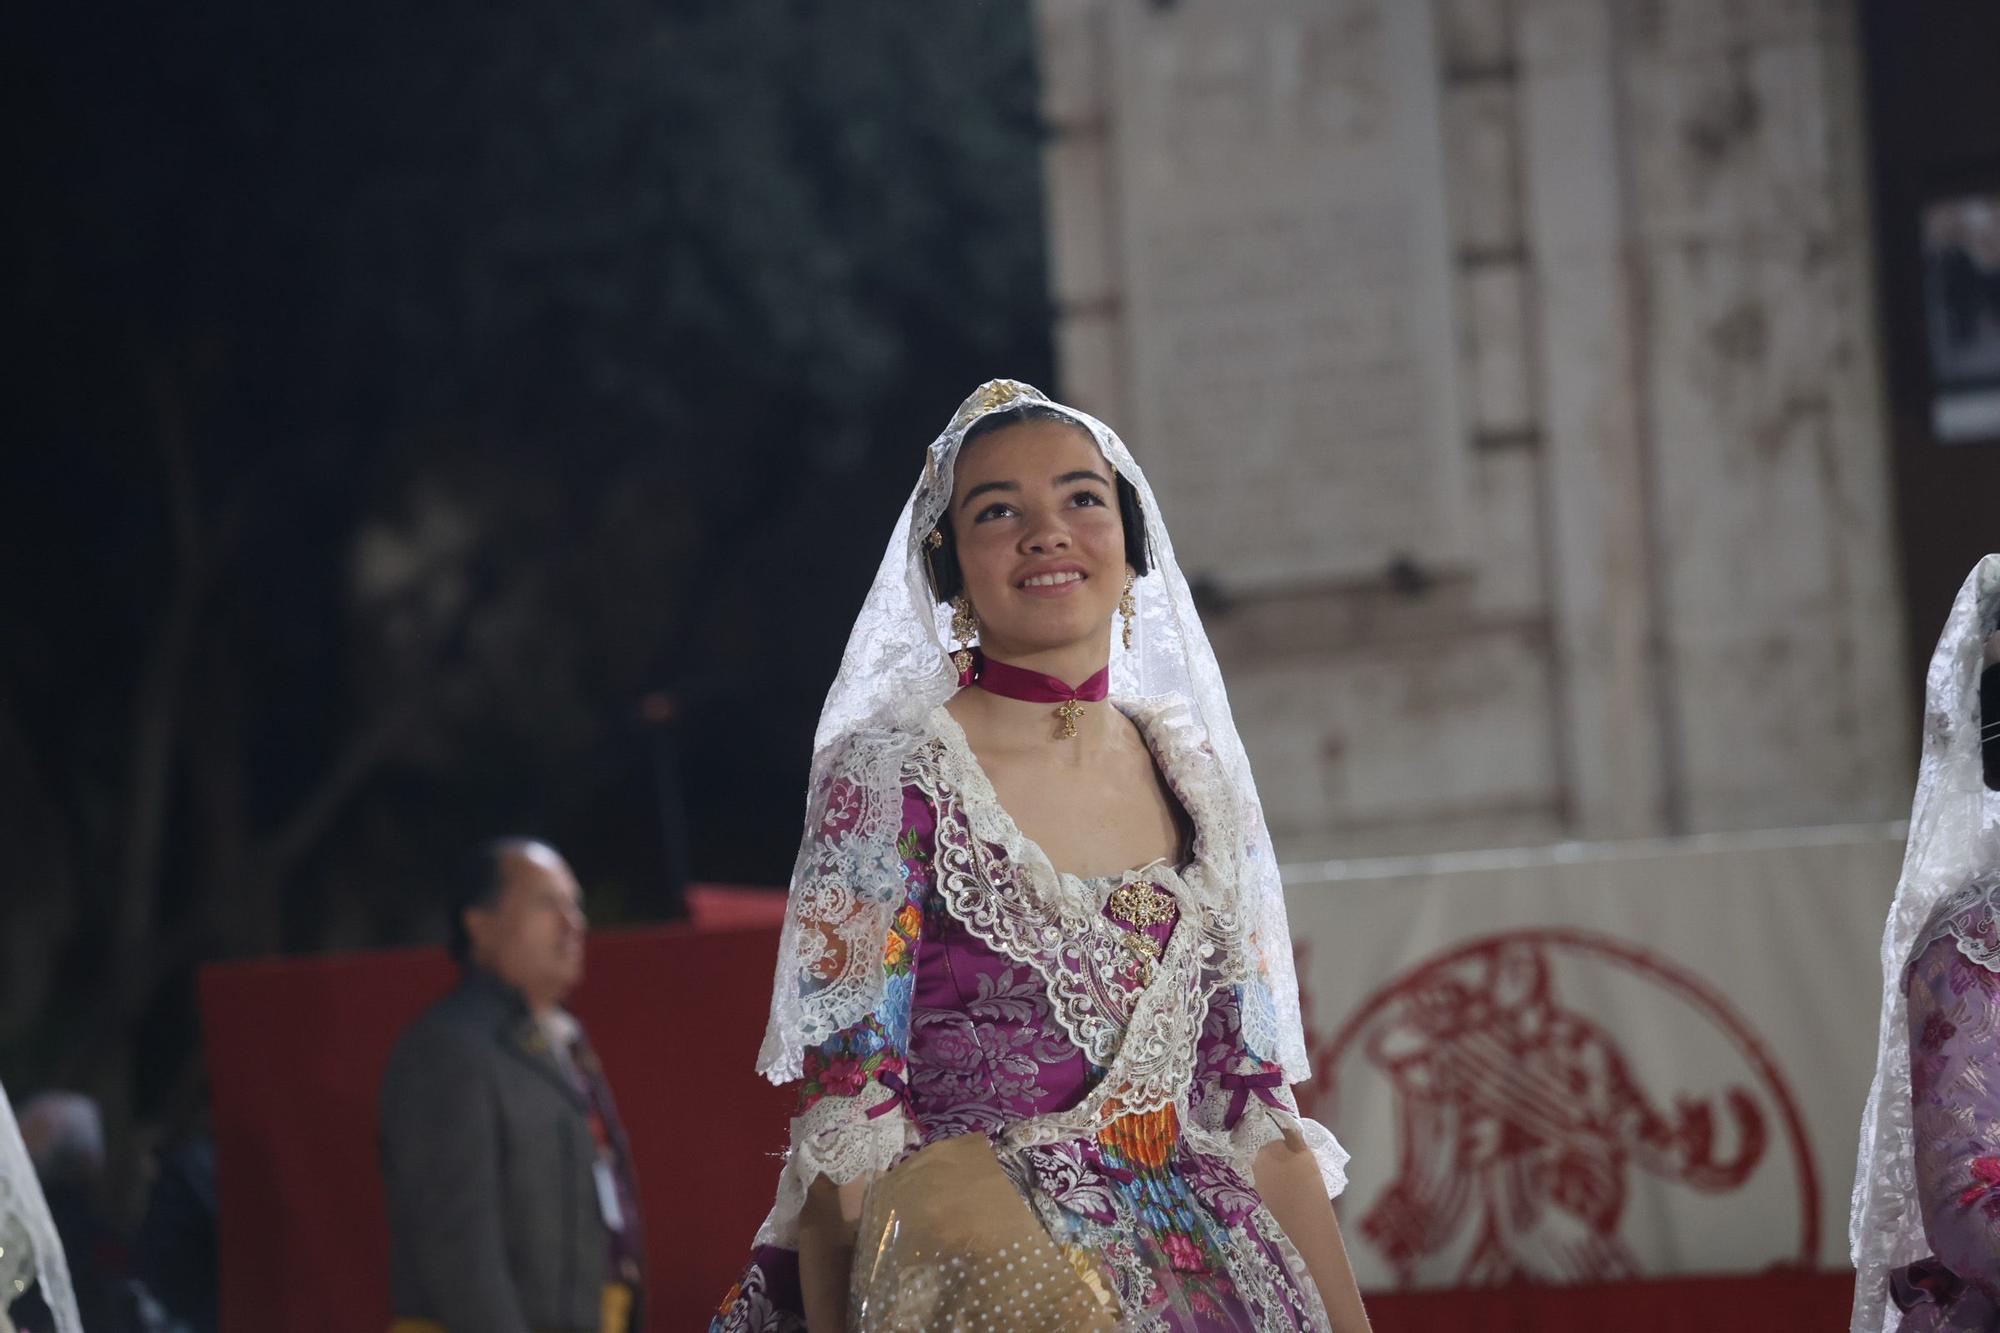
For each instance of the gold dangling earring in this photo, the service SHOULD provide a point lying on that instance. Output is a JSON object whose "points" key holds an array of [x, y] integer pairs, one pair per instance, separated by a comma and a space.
{"points": [[963, 628], [1127, 608]]}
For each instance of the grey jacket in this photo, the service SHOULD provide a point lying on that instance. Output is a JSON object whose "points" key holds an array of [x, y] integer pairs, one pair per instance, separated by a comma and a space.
{"points": [[494, 1223]]}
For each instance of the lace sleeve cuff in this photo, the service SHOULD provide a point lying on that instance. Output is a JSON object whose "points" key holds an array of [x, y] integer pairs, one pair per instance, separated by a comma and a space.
{"points": [[838, 1139], [1252, 1108], [845, 1138], [1267, 1124], [1326, 1150]]}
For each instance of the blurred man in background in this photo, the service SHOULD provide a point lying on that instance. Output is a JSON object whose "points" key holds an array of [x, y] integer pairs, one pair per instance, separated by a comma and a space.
{"points": [[174, 1258], [512, 1201]]}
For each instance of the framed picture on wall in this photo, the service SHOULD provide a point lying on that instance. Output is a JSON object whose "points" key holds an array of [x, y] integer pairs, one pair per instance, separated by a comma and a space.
{"points": [[1961, 251]]}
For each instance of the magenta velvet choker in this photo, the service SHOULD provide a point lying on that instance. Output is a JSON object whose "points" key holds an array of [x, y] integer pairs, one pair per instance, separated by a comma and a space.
{"points": [[1012, 682]]}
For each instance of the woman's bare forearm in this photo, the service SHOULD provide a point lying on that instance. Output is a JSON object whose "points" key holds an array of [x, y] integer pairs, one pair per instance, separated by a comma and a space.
{"points": [[1288, 1177], [827, 1224], [823, 1269]]}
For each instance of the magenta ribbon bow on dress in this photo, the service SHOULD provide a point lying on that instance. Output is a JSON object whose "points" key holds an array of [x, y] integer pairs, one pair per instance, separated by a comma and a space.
{"points": [[1926, 1281], [1242, 1085], [900, 1096]]}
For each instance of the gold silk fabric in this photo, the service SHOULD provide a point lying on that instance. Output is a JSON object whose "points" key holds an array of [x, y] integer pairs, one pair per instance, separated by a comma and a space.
{"points": [[946, 1243]]}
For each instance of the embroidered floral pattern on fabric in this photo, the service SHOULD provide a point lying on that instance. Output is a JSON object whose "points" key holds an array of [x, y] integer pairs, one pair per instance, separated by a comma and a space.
{"points": [[749, 1307], [843, 1065], [983, 1061], [1954, 1007], [1985, 1187]]}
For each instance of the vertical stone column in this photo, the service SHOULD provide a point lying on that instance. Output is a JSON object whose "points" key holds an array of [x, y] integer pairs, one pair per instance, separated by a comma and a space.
{"points": [[1758, 375], [1617, 756], [1081, 205]]}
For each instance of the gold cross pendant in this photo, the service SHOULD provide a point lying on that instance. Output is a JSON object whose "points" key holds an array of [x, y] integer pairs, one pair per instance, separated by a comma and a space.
{"points": [[1071, 710]]}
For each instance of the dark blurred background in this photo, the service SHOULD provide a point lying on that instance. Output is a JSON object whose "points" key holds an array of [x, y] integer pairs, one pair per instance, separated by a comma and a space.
{"points": [[445, 419]]}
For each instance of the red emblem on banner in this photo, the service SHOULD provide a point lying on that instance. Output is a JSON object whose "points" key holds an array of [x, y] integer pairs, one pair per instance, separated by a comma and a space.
{"points": [[1522, 1123]]}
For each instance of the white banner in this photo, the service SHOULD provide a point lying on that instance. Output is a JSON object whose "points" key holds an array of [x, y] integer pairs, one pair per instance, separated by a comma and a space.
{"points": [[1598, 1061]]}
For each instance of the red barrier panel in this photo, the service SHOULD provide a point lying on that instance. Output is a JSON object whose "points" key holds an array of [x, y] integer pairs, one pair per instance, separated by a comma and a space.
{"points": [[732, 907], [296, 1049], [1792, 1301]]}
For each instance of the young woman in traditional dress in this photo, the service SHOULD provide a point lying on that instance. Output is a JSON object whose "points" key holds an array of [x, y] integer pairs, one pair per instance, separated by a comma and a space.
{"points": [[1035, 981]]}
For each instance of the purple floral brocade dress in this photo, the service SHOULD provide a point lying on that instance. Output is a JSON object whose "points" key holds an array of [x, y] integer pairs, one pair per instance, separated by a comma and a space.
{"points": [[969, 1039], [1954, 1003]]}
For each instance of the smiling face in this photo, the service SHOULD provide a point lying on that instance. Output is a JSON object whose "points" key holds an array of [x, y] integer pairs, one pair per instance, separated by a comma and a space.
{"points": [[1035, 526]]}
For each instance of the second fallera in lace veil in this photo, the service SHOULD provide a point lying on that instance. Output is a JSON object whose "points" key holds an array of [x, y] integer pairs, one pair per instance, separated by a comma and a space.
{"points": [[1954, 840], [30, 1249], [846, 886]]}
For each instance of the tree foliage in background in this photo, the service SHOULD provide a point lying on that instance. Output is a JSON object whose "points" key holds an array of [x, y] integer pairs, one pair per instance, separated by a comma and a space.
{"points": [[412, 390]]}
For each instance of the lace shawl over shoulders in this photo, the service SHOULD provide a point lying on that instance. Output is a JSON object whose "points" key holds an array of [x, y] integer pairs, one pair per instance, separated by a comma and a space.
{"points": [[846, 885], [1205, 889]]}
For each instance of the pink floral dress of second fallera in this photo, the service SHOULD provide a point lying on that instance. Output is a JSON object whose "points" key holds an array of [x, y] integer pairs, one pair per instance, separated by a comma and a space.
{"points": [[1000, 1019], [1953, 983]]}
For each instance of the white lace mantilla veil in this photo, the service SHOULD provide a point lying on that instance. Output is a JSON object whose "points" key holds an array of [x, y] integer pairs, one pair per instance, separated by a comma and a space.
{"points": [[896, 670], [30, 1250], [1954, 837]]}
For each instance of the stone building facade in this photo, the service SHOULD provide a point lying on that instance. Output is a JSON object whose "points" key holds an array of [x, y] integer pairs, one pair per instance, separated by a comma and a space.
{"points": [[1508, 373]]}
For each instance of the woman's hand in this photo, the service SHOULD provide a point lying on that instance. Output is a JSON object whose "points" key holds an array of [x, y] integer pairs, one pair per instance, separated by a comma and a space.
{"points": [[1287, 1175]]}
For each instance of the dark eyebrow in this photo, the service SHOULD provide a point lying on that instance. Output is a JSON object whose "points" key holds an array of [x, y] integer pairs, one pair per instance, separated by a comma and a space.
{"points": [[1082, 474], [986, 486]]}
